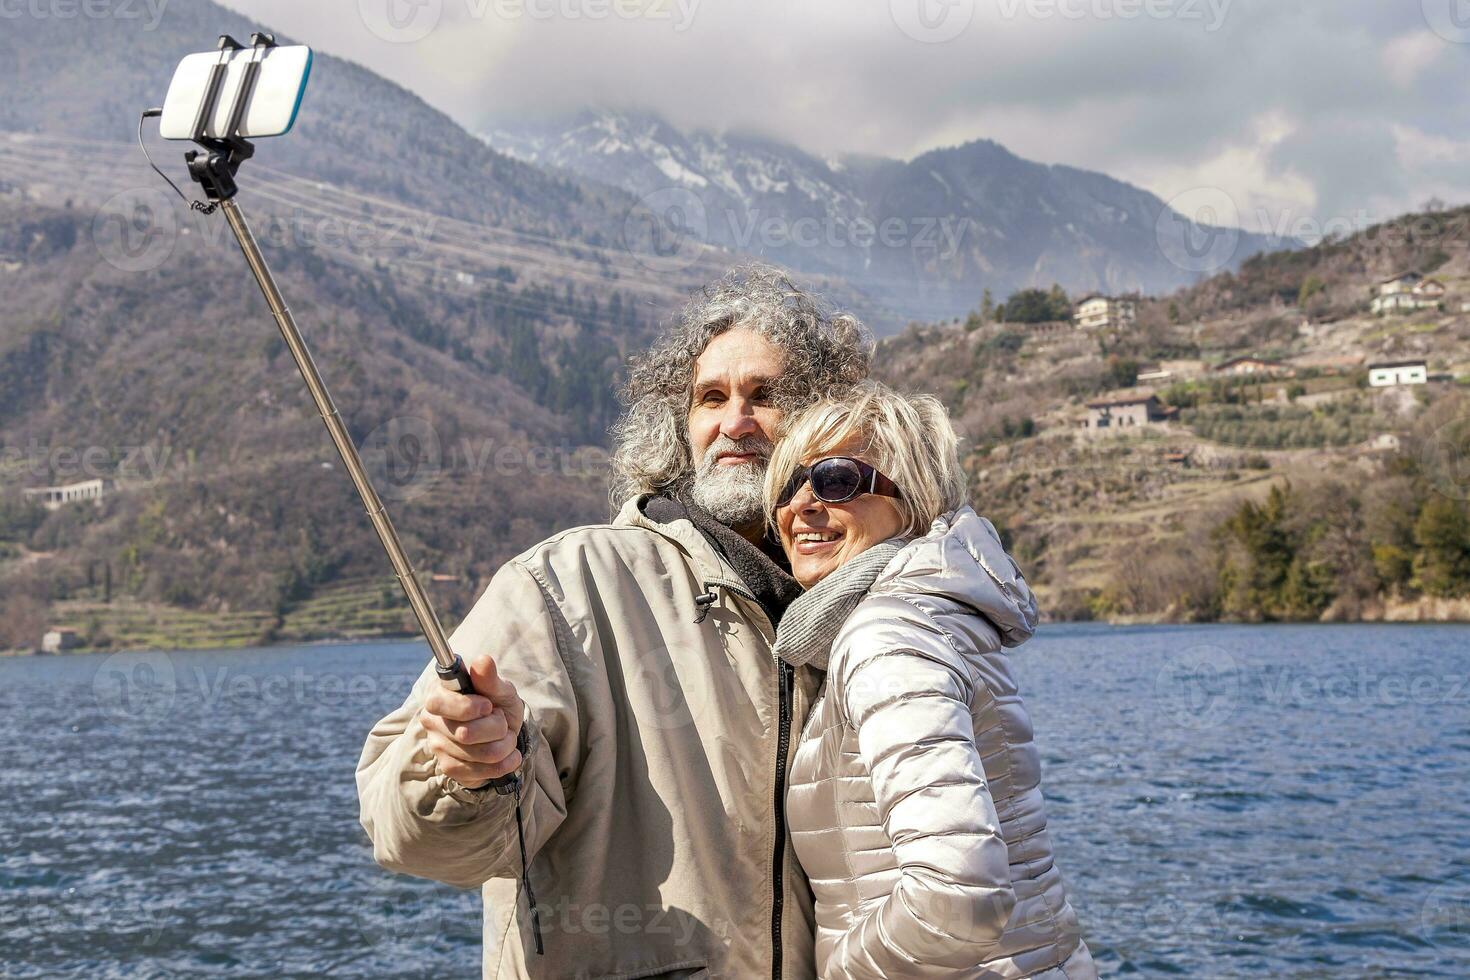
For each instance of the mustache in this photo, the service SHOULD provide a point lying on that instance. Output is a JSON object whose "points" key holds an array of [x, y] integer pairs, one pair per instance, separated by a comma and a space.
{"points": [[758, 445]]}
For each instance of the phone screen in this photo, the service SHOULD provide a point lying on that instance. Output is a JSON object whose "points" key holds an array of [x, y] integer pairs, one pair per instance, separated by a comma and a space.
{"points": [[272, 104]]}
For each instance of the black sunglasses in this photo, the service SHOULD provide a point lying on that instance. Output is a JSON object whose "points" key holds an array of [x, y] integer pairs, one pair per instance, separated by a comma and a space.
{"points": [[838, 479]]}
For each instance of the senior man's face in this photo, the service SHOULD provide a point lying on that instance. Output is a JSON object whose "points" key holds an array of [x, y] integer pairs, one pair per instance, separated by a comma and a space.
{"points": [[732, 420]]}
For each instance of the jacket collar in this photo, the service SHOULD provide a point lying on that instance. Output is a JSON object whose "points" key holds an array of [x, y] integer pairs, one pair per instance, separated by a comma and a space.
{"points": [[707, 561], [719, 563]]}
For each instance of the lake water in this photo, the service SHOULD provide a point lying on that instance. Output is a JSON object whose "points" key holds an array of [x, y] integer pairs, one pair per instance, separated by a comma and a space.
{"points": [[1226, 802]]}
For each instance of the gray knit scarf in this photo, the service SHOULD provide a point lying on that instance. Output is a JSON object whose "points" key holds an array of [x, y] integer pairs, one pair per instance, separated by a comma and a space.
{"points": [[813, 621]]}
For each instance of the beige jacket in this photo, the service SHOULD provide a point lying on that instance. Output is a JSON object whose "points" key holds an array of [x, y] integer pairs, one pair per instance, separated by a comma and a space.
{"points": [[651, 780], [915, 801]]}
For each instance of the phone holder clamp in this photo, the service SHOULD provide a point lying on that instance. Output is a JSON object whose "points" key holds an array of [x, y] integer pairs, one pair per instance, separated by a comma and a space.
{"points": [[214, 167]]}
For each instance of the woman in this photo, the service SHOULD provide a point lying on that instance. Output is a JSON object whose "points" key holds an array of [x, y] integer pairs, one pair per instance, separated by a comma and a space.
{"points": [[914, 801]]}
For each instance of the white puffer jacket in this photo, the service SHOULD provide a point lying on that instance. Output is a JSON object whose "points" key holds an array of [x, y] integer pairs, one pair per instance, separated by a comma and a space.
{"points": [[914, 803]]}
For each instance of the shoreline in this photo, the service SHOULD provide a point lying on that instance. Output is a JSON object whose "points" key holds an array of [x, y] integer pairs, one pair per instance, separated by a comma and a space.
{"points": [[1117, 623]]}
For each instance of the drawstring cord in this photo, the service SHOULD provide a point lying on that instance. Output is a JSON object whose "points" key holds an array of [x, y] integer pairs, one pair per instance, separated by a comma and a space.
{"points": [[526, 873], [705, 601], [513, 785]]}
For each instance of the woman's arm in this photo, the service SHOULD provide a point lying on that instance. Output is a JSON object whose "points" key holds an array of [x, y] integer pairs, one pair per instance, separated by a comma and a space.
{"points": [[907, 693]]}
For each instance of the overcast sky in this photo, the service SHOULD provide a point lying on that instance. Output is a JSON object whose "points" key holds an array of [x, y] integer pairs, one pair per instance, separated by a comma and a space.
{"points": [[1306, 113]]}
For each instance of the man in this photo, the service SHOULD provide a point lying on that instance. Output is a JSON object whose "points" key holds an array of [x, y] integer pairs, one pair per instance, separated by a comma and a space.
{"points": [[635, 658]]}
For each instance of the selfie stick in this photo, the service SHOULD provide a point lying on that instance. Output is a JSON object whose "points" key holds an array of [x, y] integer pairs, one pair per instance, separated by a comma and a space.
{"points": [[214, 168]]}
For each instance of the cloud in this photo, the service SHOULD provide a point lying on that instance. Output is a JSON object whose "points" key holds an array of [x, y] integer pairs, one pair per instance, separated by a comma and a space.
{"points": [[1298, 109]]}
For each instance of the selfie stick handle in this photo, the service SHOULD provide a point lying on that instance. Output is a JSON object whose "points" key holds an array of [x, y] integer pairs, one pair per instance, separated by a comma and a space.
{"points": [[215, 172]]}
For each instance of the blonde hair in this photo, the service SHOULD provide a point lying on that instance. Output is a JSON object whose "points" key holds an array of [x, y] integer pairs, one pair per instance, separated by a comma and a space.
{"points": [[909, 439]]}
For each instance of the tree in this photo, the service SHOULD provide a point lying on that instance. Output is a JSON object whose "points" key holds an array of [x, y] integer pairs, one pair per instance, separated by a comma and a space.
{"points": [[1442, 532], [1310, 288], [1037, 306], [987, 306], [1061, 306], [1267, 569]]}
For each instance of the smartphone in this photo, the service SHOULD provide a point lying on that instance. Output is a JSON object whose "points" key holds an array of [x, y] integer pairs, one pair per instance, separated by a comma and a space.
{"points": [[271, 104]]}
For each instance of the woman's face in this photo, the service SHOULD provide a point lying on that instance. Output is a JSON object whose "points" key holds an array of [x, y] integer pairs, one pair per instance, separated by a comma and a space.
{"points": [[820, 537]]}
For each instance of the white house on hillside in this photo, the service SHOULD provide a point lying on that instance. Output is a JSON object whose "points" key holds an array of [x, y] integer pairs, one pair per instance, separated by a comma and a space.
{"points": [[1388, 375], [1407, 292], [54, 497], [1105, 312]]}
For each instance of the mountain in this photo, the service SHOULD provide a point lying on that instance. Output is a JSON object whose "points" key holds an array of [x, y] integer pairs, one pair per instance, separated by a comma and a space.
{"points": [[1298, 489], [470, 313], [356, 129], [925, 236]]}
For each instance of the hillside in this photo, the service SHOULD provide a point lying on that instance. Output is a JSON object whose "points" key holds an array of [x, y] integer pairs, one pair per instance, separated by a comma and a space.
{"points": [[953, 222], [471, 314], [1159, 520], [232, 523], [475, 399], [357, 129], [472, 322]]}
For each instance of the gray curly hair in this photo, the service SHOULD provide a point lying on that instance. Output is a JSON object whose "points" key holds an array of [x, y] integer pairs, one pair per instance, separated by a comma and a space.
{"points": [[826, 353]]}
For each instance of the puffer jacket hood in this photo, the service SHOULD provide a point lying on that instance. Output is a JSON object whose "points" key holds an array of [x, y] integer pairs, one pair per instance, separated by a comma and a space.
{"points": [[961, 559]]}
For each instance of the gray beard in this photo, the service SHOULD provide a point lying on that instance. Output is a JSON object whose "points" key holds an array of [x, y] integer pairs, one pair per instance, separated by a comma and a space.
{"points": [[734, 496]]}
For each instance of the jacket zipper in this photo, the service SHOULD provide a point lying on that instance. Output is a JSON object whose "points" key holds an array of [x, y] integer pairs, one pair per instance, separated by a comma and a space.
{"points": [[778, 877], [784, 674]]}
